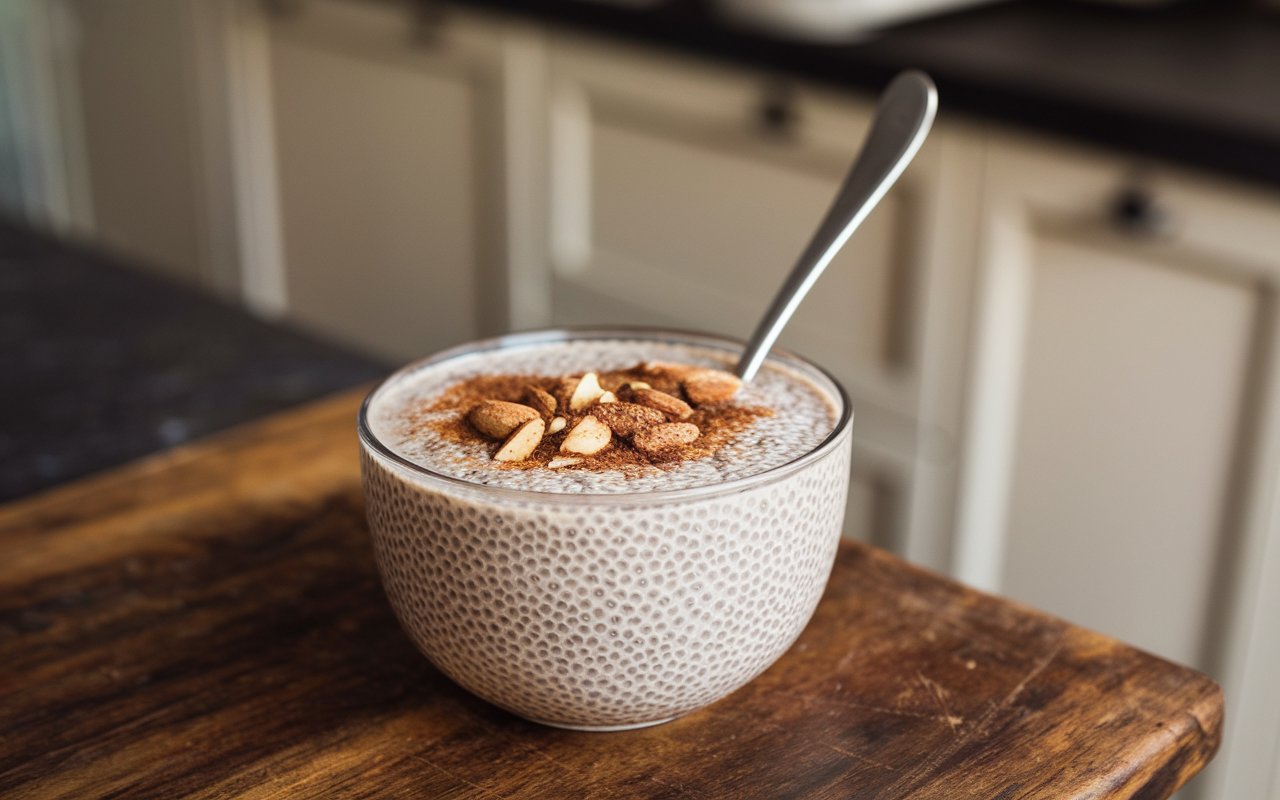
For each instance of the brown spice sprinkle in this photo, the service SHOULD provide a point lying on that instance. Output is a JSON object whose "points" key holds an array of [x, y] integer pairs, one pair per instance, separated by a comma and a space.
{"points": [[717, 423], [628, 419]]}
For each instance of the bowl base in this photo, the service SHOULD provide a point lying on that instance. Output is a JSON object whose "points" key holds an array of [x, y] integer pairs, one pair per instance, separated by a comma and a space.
{"points": [[631, 726]]}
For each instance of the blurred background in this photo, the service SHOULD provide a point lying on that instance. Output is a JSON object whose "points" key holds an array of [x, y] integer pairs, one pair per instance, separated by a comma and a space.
{"points": [[1059, 330]]}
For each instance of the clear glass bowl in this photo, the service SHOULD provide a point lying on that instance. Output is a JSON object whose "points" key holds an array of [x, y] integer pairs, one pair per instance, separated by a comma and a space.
{"points": [[606, 611]]}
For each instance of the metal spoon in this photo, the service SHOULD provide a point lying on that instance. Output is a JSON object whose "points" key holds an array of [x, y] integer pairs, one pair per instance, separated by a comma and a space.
{"points": [[903, 118]]}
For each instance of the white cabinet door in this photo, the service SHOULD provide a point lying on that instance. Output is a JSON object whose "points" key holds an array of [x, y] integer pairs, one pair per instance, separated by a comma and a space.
{"points": [[681, 195], [386, 133], [1120, 468], [131, 88]]}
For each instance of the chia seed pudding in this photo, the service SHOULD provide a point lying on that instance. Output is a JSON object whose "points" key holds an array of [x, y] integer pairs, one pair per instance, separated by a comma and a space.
{"points": [[602, 598], [806, 418]]}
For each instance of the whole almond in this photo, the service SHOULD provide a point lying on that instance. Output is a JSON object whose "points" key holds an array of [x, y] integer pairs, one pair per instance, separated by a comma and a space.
{"points": [[627, 419], [540, 400], [661, 439], [586, 392], [522, 441], [588, 437], [706, 387], [666, 403], [669, 369], [498, 418]]}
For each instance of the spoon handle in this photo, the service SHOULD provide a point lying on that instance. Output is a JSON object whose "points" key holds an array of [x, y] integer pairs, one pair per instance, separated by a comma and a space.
{"points": [[902, 120]]}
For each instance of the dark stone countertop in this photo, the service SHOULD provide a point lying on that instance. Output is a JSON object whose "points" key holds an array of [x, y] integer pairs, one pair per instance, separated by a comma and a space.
{"points": [[103, 364], [1193, 83]]}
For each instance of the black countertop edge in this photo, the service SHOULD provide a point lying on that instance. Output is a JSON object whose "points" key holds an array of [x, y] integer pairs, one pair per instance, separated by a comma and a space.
{"points": [[1196, 86]]}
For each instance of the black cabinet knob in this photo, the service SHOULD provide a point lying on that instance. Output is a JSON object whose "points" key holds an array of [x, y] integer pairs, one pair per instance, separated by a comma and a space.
{"points": [[777, 112], [1135, 211]]}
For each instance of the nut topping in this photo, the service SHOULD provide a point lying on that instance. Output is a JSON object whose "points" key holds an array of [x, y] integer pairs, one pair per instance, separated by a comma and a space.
{"points": [[586, 392], [628, 419], [675, 371], [660, 440], [588, 437], [498, 418], [522, 441], [540, 400], [623, 419], [706, 387], [667, 404]]}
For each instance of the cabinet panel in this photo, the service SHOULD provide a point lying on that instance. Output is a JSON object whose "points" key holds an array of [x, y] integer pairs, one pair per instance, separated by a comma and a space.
{"points": [[139, 131], [863, 507], [387, 143], [1132, 384], [378, 196], [877, 493]]}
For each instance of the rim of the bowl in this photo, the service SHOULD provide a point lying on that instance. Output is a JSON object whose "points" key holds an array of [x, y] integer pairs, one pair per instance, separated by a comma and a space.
{"points": [[596, 333]]}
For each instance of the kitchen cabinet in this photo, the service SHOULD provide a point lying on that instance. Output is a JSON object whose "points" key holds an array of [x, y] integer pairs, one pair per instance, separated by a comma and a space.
{"points": [[680, 195], [1120, 462], [387, 134]]}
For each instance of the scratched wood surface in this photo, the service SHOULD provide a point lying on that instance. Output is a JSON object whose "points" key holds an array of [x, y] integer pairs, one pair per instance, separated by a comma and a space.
{"points": [[208, 623]]}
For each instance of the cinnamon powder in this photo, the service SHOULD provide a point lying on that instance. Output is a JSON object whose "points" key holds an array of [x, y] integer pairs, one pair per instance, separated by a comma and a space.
{"points": [[446, 417]]}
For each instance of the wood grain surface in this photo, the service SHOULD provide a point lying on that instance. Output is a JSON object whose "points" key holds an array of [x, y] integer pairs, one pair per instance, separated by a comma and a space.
{"points": [[208, 623]]}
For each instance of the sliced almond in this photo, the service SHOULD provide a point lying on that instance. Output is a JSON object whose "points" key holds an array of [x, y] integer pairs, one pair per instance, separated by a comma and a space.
{"points": [[586, 392], [633, 385], [498, 418], [557, 425], [661, 439], [540, 400], [522, 441], [706, 387], [627, 419], [608, 397], [587, 438], [559, 462], [666, 403]]}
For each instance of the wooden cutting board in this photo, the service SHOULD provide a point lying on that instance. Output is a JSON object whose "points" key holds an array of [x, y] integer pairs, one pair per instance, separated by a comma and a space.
{"points": [[208, 623]]}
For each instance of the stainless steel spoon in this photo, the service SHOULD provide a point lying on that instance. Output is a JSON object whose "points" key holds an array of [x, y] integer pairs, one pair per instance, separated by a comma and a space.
{"points": [[902, 120]]}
